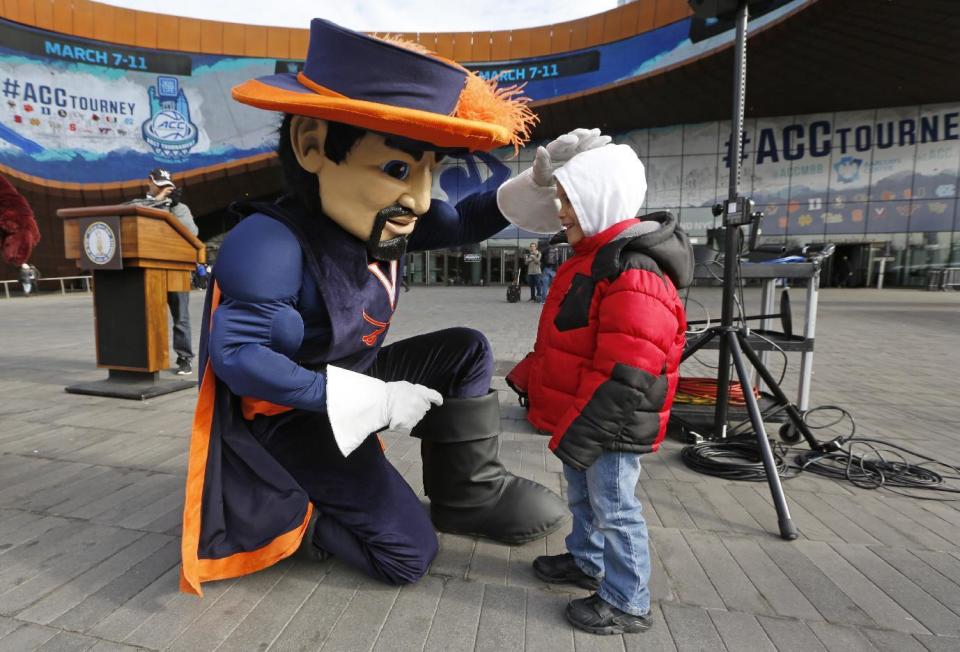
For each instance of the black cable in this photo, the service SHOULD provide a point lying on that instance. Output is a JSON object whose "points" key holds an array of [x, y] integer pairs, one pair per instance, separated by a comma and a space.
{"points": [[778, 349], [880, 467], [706, 266], [864, 462], [739, 278], [739, 459]]}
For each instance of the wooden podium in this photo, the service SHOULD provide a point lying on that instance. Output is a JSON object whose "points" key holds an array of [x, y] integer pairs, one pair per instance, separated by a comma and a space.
{"points": [[136, 254]]}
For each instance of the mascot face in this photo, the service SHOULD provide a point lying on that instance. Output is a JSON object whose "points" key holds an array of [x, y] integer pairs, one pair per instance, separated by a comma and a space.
{"points": [[376, 193]]}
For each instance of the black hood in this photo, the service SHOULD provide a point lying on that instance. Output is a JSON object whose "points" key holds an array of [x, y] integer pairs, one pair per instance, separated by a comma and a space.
{"points": [[658, 236]]}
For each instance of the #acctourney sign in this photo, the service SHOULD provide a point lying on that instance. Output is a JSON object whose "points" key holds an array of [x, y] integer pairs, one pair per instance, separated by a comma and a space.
{"points": [[81, 111]]}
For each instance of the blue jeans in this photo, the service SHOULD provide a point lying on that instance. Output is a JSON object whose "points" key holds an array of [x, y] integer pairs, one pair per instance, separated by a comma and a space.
{"points": [[533, 280], [546, 279], [609, 537], [179, 303]]}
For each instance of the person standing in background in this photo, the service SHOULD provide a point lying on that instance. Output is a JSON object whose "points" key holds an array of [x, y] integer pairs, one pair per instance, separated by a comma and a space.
{"points": [[549, 260], [164, 194], [532, 261], [29, 275]]}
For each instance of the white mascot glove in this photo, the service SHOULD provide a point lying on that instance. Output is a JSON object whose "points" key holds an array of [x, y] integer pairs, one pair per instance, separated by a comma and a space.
{"points": [[562, 149], [358, 405], [529, 200]]}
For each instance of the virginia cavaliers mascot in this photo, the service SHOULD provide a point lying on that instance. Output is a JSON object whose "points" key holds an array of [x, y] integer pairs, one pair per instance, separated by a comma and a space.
{"points": [[295, 378]]}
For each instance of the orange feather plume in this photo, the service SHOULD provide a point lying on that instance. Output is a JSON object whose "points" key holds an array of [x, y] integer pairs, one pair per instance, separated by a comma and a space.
{"points": [[483, 99]]}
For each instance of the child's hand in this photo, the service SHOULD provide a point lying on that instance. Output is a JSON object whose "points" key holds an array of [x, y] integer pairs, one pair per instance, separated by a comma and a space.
{"points": [[562, 149]]}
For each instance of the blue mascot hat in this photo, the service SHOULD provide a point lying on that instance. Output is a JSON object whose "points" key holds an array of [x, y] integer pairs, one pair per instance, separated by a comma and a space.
{"points": [[395, 87]]}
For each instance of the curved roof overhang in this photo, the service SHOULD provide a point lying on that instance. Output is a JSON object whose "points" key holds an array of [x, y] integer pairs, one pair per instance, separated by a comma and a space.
{"points": [[834, 55], [822, 55]]}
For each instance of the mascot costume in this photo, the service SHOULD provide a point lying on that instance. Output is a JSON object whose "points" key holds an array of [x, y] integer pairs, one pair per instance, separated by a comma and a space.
{"points": [[295, 381], [18, 228]]}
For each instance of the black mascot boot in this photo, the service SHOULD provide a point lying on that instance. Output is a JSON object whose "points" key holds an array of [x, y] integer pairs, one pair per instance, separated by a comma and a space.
{"points": [[470, 491]]}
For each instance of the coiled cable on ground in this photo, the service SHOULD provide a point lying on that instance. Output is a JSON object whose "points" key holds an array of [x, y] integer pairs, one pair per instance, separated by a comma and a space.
{"points": [[865, 462], [734, 460]]}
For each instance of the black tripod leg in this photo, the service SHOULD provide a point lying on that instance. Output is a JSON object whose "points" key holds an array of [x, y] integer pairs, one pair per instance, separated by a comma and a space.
{"points": [[787, 529], [699, 343], [791, 409]]}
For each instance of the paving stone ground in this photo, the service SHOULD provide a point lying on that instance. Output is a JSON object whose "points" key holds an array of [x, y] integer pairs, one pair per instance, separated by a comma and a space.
{"points": [[91, 494]]}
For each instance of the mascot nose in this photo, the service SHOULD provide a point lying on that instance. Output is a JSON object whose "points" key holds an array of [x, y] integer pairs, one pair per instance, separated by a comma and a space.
{"points": [[417, 197]]}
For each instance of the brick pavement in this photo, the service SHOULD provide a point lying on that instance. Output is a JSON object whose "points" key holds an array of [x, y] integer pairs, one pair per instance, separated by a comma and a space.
{"points": [[91, 492]]}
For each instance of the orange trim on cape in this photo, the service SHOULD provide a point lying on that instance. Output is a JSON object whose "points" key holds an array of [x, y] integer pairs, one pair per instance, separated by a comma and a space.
{"points": [[322, 103], [251, 407], [194, 570]]}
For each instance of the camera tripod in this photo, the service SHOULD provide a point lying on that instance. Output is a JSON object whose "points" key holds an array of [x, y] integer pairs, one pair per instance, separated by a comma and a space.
{"points": [[733, 339]]}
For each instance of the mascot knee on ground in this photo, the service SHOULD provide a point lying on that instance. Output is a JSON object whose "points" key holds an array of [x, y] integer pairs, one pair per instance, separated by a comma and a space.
{"points": [[294, 377]]}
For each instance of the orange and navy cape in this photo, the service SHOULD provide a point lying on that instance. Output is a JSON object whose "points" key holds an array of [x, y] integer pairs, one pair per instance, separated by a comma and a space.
{"points": [[242, 511]]}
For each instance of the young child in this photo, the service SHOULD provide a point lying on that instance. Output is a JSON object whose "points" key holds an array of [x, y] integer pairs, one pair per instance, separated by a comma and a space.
{"points": [[603, 372]]}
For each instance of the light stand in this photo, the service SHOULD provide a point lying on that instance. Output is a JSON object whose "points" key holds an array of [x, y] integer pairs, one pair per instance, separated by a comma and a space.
{"points": [[733, 344]]}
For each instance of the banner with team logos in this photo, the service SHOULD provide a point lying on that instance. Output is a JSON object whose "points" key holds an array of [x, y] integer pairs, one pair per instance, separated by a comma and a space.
{"points": [[857, 172], [84, 111]]}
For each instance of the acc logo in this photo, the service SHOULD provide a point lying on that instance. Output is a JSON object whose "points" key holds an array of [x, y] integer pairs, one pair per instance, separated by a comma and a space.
{"points": [[848, 169], [169, 131], [100, 243]]}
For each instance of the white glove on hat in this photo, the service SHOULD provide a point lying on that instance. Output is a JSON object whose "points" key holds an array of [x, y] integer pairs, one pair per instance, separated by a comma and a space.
{"points": [[528, 205], [358, 405], [562, 149], [529, 200]]}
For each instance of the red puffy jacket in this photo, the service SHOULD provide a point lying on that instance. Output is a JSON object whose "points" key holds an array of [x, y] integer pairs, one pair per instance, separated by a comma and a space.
{"points": [[604, 368]]}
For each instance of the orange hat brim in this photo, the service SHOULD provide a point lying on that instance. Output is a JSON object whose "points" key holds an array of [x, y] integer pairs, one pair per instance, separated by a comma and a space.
{"points": [[440, 130]]}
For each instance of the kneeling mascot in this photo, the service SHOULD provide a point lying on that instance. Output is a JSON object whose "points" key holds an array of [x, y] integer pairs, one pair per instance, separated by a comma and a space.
{"points": [[294, 378]]}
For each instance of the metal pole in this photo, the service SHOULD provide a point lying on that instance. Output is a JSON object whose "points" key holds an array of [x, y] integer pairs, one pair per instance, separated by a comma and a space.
{"points": [[731, 233], [809, 332]]}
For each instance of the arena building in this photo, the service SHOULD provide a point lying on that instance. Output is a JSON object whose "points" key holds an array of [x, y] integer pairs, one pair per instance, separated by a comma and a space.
{"points": [[853, 111]]}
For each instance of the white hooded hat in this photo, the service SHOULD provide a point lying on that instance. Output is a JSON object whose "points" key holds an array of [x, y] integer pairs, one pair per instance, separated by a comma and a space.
{"points": [[605, 185]]}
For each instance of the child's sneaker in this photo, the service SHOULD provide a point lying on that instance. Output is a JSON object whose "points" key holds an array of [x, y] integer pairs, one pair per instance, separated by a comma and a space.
{"points": [[562, 569], [597, 616]]}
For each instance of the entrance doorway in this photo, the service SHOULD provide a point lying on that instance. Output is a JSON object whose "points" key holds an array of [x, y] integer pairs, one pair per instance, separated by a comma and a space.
{"points": [[847, 267]]}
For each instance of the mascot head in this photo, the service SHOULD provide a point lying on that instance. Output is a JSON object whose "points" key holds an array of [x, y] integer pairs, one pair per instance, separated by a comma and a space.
{"points": [[368, 119]]}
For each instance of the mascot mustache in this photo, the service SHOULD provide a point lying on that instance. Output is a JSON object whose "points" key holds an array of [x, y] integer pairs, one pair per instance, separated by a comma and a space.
{"points": [[394, 248]]}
